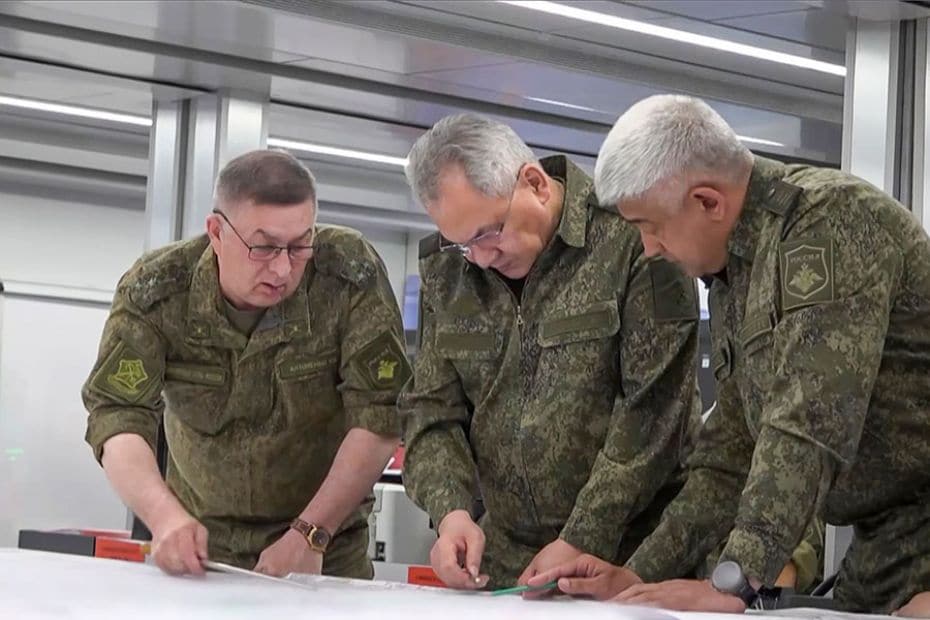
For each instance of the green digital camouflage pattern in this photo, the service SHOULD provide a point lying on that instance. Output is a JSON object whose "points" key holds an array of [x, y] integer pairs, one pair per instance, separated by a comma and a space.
{"points": [[566, 412], [252, 423], [820, 330], [807, 558]]}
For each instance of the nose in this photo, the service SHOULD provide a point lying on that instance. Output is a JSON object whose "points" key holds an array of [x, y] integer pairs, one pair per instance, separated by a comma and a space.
{"points": [[651, 245], [482, 257], [280, 265]]}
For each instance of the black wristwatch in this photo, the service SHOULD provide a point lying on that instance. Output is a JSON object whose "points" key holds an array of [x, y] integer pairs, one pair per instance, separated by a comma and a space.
{"points": [[728, 577]]}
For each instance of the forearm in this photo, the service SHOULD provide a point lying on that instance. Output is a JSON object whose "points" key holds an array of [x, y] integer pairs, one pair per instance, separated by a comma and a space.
{"points": [[439, 471], [359, 463], [691, 526], [788, 481], [130, 467]]}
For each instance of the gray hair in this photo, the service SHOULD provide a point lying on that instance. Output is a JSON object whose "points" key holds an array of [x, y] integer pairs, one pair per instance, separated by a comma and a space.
{"points": [[265, 177], [490, 153], [660, 140]]}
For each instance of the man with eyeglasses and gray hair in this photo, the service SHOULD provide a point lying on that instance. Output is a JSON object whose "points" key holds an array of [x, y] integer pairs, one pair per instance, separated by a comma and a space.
{"points": [[820, 322], [555, 377], [271, 347]]}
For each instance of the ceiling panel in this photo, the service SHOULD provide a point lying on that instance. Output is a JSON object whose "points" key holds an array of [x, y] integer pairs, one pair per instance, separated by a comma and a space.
{"points": [[785, 43], [229, 27], [711, 10], [825, 30], [342, 131], [370, 49], [494, 11], [34, 80], [510, 64], [636, 48], [626, 44]]}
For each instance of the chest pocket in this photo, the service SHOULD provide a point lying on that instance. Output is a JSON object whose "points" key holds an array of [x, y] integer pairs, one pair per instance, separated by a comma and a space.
{"points": [[197, 394], [583, 339], [593, 322], [306, 388], [473, 347]]}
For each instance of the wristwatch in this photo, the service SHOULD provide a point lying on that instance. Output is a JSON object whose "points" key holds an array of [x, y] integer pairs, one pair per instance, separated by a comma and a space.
{"points": [[728, 577], [317, 537]]}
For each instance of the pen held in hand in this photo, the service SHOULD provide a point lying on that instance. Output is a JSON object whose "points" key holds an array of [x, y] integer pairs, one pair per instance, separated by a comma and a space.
{"points": [[520, 589]]}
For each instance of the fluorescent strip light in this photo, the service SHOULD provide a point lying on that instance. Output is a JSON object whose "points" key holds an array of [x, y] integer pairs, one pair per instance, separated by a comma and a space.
{"points": [[760, 141], [594, 17], [70, 110], [306, 147], [562, 104]]}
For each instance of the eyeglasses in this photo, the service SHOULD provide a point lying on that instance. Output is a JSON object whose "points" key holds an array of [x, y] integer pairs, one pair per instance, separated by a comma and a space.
{"points": [[267, 253], [486, 240]]}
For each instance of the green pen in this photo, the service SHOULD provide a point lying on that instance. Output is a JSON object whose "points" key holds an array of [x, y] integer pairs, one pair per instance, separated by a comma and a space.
{"points": [[518, 589]]}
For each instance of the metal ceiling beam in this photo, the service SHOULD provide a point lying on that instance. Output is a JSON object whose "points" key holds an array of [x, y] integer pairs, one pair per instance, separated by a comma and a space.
{"points": [[262, 69], [519, 44]]}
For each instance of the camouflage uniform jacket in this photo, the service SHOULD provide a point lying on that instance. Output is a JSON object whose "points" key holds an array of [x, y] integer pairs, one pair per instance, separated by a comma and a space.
{"points": [[570, 404], [252, 422], [820, 326]]}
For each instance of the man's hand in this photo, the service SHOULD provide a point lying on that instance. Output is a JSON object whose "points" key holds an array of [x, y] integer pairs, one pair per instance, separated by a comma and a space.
{"points": [[456, 555], [587, 576], [289, 554], [681, 595], [917, 607], [179, 544], [555, 554]]}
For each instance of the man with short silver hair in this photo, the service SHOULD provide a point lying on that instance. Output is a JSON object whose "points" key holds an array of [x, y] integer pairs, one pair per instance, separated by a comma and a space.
{"points": [[820, 322], [556, 363]]}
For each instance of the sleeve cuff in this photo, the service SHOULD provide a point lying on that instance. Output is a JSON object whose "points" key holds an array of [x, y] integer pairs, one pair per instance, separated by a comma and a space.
{"points": [[102, 426], [755, 554], [584, 534]]}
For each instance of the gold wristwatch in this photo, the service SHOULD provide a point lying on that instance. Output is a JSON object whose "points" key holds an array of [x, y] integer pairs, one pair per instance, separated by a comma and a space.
{"points": [[317, 537]]}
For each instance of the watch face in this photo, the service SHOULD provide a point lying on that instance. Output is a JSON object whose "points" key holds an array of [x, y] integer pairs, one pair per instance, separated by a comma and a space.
{"points": [[728, 577], [319, 538]]}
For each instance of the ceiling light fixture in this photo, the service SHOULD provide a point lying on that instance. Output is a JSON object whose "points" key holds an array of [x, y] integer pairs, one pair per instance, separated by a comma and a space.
{"points": [[760, 141], [562, 104], [604, 19], [70, 110], [306, 147]]}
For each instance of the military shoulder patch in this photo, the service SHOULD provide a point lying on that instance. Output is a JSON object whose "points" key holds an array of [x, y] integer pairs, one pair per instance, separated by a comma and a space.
{"points": [[382, 363], [126, 375], [806, 272], [673, 294]]}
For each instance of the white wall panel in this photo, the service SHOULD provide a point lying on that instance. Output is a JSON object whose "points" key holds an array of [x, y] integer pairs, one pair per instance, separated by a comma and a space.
{"points": [[53, 241]]}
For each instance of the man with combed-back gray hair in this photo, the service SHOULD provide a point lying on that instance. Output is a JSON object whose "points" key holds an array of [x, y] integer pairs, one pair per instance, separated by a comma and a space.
{"points": [[489, 152], [555, 375], [820, 323]]}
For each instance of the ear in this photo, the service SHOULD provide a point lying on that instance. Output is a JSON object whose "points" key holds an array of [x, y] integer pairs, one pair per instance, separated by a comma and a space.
{"points": [[538, 180], [214, 224], [710, 201]]}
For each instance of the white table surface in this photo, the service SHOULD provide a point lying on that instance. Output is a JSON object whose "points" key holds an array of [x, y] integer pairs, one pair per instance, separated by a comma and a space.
{"points": [[37, 584]]}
